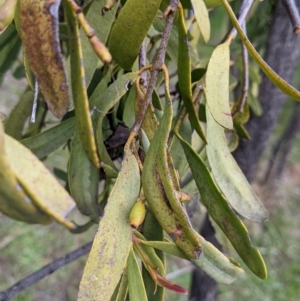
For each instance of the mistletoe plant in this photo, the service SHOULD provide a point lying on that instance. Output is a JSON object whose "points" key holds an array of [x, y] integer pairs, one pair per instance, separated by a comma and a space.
{"points": [[144, 114]]}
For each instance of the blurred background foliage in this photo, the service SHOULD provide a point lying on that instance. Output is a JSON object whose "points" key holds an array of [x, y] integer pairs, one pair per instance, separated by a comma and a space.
{"points": [[26, 248]]}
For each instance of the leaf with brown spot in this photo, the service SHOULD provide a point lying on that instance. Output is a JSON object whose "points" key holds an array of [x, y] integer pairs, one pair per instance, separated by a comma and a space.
{"points": [[37, 23], [112, 243]]}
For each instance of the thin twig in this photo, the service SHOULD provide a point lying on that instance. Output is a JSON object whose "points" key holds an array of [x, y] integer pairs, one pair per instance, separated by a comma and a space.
{"points": [[242, 14], [156, 67], [293, 12], [23, 284]]}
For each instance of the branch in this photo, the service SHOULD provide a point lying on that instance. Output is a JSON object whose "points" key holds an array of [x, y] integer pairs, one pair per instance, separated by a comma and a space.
{"points": [[242, 14], [293, 12], [156, 66], [23, 284], [142, 64]]}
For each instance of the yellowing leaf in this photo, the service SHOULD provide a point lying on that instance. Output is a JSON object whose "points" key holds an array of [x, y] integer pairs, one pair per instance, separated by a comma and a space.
{"points": [[13, 201], [217, 86], [228, 175], [112, 242], [202, 18], [37, 181], [7, 12]]}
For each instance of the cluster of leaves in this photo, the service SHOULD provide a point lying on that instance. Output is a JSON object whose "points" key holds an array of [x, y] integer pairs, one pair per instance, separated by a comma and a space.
{"points": [[134, 157]]}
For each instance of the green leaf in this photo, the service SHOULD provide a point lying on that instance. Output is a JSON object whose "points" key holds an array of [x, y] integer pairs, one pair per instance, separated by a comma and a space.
{"points": [[19, 115], [83, 179], [112, 243], [38, 183], [128, 116], [254, 104], [221, 213], [270, 73], [130, 29], [228, 175], [152, 230], [121, 290], [233, 141], [80, 98], [184, 75], [11, 55], [202, 18], [47, 142], [176, 149], [241, 117], [242, 131], [159, 188], [213, 3], [217, 86], [136, 286]]}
